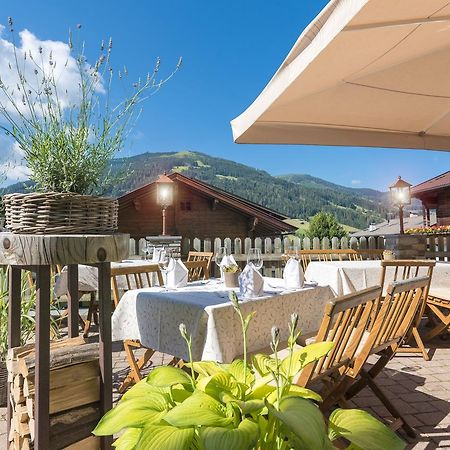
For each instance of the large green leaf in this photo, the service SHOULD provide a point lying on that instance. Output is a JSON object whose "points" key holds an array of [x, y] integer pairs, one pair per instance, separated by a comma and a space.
{"points": [[141, 389], [165, 437], [220, 383], [128, 440], [304, 419], [134, 413], [263, 363], [301, 358], [296, 391], [250, 406], [363, 430], [262, 388], [198, 409], [206, 368], [242, 438], [167, 376], [236, 368]]}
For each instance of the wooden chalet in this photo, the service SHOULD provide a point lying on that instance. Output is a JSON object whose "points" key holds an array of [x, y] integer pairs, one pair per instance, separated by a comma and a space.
{"points": [[435, 194], [199, 210]]}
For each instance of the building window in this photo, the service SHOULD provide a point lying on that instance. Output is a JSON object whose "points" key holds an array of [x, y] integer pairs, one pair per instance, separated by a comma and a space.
{"points": [[185, 206]]}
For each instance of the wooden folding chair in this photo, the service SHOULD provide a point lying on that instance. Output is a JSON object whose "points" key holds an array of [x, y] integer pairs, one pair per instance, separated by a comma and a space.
{"points": [[198, 270], [404, 270], [201, 256], [136, 277], [440, 309], [397, 313], [344, 323]]}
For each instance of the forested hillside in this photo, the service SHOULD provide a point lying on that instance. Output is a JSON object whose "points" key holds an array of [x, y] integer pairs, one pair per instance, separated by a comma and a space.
{"points": [[297, 196]]}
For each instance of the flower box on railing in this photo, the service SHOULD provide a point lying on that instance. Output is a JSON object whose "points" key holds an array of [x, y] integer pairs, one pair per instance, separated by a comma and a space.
{"points": [[436, 229]]}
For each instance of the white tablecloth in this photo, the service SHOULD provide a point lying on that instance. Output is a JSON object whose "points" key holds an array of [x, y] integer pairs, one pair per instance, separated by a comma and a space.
{"points": [[88, 277], [153, 316], [345, 277]]}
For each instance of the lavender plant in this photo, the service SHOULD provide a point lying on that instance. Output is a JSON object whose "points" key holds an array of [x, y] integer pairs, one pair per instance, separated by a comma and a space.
{"points": [[238, 406], [68, 140]]}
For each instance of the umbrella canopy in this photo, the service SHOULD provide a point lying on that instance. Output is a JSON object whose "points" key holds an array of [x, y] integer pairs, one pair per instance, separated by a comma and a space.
{"points": [[373, 73]]}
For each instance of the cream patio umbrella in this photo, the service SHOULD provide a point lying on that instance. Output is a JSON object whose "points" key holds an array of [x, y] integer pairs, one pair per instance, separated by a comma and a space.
{"points": [[370, 73]]}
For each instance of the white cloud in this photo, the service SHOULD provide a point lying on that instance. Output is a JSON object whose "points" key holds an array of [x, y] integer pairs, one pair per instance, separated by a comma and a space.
{"points": [[52, 56], [356, 182], [12, 165]]}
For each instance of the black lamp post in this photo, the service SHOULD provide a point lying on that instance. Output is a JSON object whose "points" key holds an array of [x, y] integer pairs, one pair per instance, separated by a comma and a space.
{"points": [[164, 196], [401, 196]]}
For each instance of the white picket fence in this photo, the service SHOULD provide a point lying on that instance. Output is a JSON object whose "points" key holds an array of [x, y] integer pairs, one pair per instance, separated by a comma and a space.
{"points": [[438, 247], [271, 249]]}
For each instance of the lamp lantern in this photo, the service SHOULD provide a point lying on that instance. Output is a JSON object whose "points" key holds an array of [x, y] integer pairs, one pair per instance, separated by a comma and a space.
{"points": [[401, 196], [164, 196]]}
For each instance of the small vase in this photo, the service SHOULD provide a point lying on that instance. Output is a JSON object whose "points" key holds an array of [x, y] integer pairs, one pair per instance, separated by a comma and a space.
{"points": [[231, 279], [388, 255]]}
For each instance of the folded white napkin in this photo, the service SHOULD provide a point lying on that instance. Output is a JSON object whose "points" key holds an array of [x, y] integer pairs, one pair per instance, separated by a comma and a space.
{"points": [[228, 260], [177, 274], [251, 282], [157, 253], [293, 275]]}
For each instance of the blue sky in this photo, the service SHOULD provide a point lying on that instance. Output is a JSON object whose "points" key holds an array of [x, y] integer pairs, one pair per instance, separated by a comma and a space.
{"points": [[230, 51]]}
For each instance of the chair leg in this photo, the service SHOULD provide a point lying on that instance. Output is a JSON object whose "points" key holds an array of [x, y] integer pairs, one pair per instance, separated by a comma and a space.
{"points": [[420, 345], [134, 375], [399, 420], [443, 325], [90, 315]]}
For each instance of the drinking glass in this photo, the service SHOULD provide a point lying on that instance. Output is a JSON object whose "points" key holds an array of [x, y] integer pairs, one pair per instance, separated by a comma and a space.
{"points": [[254, 257], [294, 252], [220, 254]]}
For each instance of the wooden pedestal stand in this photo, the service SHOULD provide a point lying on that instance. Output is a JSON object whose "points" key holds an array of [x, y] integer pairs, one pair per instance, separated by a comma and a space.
{"points": [[38, 253]]}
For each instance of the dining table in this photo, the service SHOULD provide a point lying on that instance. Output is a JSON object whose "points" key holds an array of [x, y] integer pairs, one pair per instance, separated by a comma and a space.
{"points": [[345, 277], [153, 316]]}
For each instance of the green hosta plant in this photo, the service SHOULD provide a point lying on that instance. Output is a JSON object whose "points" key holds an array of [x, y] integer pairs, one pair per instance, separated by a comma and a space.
{"points": [[238, 406]]}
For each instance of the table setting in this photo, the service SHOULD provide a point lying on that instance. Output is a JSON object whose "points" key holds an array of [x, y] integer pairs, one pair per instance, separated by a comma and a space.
{"points": [[152, 315]]}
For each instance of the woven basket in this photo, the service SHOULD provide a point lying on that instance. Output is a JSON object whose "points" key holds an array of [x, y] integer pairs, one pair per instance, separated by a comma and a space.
{"points": [[60, 213], [3, 383]]}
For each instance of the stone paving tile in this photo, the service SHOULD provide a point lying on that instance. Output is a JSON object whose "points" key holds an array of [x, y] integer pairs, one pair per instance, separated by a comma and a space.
{"points": [[420, 389]]}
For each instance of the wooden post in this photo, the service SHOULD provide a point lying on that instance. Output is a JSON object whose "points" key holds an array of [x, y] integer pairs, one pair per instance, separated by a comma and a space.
{"points": [[72, 299], [163, 221], [42, 345], [105, 357], [14, 325], [400, 216]]}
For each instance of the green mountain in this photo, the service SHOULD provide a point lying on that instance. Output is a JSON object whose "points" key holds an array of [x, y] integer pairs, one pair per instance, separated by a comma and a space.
{"points": [[297, 196]]}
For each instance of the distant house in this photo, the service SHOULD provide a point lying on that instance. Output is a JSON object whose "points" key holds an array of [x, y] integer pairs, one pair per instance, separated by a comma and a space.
{"points": [[199, 210], [435, 195]]}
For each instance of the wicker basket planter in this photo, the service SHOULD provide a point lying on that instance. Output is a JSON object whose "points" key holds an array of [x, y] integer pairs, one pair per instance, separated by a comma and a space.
{"points": [[3, 383], [60, 213]]}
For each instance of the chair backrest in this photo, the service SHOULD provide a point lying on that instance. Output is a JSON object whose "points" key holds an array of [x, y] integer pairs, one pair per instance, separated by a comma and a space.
{"points": [[344, 323], [197, 270], [135, 277], [307, 256], [201, 256], [400, 305]]}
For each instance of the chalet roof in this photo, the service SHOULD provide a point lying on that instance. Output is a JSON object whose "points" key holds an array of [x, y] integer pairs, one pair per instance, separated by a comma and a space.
{"points": [[393, 226], [265, 216], [439, 182]]}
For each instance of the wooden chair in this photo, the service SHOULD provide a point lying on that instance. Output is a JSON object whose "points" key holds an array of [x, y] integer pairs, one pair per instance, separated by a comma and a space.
{"points": [[393, 320], [307, 256], [404, 270], [136, 277], [440, 309], [345, 322], [201, 256], [198, 270]]}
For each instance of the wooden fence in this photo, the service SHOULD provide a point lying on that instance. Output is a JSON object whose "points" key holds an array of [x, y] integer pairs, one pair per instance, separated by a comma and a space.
{"points": [[271, 249], [438, 247]]}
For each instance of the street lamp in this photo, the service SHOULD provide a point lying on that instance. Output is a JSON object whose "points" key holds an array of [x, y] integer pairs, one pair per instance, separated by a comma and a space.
{"points": [[164, 196], [401, 196]]}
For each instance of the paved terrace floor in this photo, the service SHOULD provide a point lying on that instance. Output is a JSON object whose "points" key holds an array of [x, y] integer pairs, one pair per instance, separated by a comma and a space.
{"points": [[419, 389]]}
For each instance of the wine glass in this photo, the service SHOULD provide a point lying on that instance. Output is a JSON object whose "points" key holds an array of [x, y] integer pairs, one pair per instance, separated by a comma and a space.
{"points": [[164, 261], [220, 254], [294, 252], [254, 257]]}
